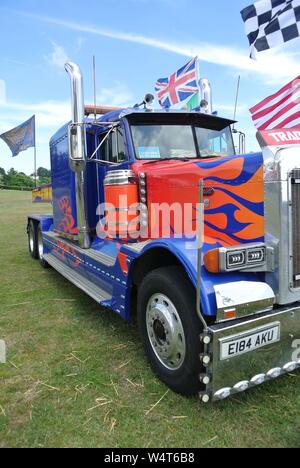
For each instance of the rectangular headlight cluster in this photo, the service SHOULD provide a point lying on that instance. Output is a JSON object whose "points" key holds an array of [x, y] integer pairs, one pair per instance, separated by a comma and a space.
{"points": [[238, 259]]}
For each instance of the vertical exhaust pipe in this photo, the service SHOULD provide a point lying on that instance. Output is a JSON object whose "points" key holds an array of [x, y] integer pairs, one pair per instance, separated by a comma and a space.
{"points": [[78, 152], [206, 96]]}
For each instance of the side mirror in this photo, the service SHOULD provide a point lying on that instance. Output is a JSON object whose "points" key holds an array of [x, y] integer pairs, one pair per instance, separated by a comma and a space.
{"points": [[77, 146]]}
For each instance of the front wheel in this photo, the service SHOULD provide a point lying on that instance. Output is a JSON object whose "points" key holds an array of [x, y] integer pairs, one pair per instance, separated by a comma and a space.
{"points": [[170, 328]]}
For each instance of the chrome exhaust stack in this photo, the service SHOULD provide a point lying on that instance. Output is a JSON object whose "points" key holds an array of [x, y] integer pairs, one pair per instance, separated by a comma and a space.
{"points": [[78, 152], [206, 96]]}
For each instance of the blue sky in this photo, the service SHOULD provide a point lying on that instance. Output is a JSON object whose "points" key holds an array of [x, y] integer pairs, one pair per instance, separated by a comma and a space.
{"points": [[135, 42]]}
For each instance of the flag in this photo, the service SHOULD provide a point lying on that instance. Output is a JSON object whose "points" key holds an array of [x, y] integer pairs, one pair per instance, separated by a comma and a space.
{"points": [[270, 23], [180, 86], [281, 110], [21, 138], [193, 103]]}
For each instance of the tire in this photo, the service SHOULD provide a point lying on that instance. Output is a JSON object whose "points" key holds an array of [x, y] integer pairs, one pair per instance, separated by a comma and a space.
{"points": [[40, 248], [166, 302], [32, 240]]}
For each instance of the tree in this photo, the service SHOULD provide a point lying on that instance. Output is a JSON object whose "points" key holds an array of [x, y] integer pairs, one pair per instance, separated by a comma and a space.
{"points": [[44, 176], [18, 179], [43, 172], [2, 176]]}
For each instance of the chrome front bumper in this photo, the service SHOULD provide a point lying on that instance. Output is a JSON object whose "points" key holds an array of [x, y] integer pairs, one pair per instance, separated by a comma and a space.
{"points": [[237, 374]]}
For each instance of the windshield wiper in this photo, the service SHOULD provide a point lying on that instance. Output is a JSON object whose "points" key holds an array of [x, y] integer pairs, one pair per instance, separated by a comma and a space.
{"points": [[169, 159]]}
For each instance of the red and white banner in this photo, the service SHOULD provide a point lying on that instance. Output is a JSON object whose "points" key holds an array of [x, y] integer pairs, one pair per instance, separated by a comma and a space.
{"points": [[279, 137]]}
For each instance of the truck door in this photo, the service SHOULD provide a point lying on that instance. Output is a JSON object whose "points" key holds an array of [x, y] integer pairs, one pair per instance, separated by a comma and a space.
{"points": [[113, 154]]}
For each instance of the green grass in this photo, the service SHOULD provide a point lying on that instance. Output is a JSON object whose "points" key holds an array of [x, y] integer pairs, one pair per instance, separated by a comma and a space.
{"points": [[76, 375]]}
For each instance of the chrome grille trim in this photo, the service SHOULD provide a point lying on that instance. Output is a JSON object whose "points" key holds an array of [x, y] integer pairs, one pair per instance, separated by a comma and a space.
{"points": [[295, 211]]}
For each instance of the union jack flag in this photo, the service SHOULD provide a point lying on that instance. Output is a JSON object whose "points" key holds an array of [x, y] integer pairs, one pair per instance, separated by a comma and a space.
{"points": [[180, 86]]}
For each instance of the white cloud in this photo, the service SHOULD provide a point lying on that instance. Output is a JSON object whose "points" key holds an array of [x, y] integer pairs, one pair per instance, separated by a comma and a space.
{"points": [[48, 113], [2, 92], [273, 66], [118, 96], [58, 56], [52, 114], [79, 43]]}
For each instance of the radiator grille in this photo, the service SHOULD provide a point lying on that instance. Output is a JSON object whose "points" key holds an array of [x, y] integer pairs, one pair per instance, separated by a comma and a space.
{"points": [[295, 193]]}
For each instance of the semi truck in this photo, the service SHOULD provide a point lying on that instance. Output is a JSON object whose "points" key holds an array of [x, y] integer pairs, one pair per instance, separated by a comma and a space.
{"points": [[156, 217]]}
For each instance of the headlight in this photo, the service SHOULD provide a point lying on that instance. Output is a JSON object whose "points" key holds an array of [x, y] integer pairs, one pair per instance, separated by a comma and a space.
{"points": [[235, 258]]}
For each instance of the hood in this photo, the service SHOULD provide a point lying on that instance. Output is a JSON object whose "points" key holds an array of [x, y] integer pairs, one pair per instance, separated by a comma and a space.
{"points": [[233, 194]]}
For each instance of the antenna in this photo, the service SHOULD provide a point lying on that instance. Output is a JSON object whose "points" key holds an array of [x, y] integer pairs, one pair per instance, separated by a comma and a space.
{"points": [[95, 86], [237, 98]]}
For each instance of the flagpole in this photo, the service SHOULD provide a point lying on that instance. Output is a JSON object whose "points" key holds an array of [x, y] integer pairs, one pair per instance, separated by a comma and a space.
{"points": [[34, 155], [35, 166], [198, 81]]}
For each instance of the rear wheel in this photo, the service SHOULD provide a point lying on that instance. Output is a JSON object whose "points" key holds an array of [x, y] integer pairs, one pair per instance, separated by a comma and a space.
{"points": [[32, 240], [170, 328], [40, 244]]}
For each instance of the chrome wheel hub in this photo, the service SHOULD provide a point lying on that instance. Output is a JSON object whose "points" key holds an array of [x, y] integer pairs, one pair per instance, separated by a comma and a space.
{"points": [[165, 332], [31, 240], [40, 246]]}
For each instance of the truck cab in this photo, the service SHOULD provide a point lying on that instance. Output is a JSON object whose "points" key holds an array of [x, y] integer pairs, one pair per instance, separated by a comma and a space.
{"points": [[153, 211]]}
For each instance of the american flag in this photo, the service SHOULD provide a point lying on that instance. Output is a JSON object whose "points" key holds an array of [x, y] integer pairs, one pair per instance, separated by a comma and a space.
{"points": [[281, 110], [180, 86]]}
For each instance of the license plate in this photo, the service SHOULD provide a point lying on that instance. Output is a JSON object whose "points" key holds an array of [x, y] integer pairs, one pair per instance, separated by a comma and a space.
{"points": [[249, 341]]}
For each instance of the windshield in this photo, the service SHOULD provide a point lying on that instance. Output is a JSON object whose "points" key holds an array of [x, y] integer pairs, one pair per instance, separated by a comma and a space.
{"points": [[180, 141]]}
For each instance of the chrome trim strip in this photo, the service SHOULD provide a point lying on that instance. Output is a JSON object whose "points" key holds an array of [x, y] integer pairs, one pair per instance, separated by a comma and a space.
{"points": [[100, 257], [138, 246]]}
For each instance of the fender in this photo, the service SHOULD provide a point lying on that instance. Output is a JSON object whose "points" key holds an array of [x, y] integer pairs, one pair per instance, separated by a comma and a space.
{"points": [[46, 221], [187, 257]]}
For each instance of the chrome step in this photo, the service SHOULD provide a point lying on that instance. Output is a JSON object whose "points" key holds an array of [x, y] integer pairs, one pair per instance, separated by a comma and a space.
{"points": [[78, 280]]}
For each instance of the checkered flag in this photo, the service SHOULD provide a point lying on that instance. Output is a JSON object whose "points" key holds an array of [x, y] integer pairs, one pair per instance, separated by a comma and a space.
{"points": [[270, 23]]}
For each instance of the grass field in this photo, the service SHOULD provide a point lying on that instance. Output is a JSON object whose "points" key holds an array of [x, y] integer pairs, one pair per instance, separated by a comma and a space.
{"points": [[76, 375]]}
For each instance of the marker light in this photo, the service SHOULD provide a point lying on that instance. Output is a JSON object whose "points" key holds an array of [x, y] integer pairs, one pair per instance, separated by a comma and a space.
{"points": [[230, 314], [205, 338], [205, 359], [204, 397], [241, 386], [290, 366], [274, 373], [258, 379], [223, 393], [205, 379], [212, 261]]}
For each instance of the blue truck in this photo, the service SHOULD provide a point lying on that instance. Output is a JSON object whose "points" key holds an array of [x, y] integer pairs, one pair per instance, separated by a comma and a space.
{"points": [[155, 215]]}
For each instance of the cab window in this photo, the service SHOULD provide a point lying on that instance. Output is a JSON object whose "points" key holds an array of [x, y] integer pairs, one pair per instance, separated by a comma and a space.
{"points": [[113, 148]]}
